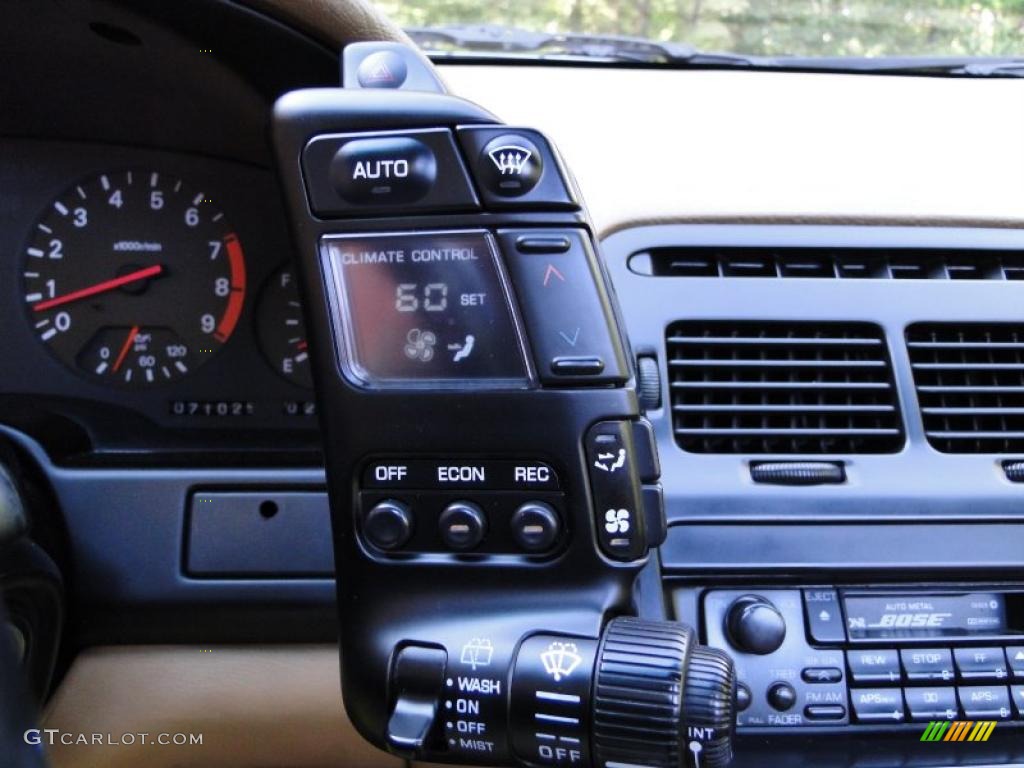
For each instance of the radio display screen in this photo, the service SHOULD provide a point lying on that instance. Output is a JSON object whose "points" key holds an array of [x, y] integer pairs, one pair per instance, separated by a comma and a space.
{"points": [[425, 309], [925, 615]]}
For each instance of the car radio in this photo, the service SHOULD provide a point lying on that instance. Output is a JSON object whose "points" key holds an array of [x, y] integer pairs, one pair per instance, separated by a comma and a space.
{"points": [[494, 490], [871, 656]]}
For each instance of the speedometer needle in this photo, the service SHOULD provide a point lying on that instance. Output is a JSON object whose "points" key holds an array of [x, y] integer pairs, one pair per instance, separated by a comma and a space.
{"points": [[125, 347], [106, 285]]}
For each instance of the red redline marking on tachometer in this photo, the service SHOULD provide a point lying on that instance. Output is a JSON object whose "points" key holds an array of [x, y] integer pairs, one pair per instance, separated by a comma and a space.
{"points": [[236, 262], [92, 290], [125, 347]]}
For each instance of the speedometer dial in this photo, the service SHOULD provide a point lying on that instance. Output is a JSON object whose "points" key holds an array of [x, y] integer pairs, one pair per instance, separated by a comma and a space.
{"points": [[134, 278]]}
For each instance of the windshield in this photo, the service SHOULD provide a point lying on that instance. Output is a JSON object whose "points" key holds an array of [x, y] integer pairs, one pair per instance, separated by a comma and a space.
{"points": [[806, 28]]}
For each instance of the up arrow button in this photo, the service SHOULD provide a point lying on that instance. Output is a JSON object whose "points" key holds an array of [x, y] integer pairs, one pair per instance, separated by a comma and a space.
{"points": [[552, 272], [566, 306], [1015, 654]]}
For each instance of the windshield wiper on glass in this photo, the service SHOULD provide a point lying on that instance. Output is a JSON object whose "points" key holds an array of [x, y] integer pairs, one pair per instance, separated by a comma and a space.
{"points": [[495, 40]]}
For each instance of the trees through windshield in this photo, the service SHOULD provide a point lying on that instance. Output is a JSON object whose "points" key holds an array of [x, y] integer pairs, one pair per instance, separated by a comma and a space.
{"points": [[760, 27]]}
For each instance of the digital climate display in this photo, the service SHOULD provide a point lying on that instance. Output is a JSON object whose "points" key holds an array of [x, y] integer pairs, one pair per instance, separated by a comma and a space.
{"points": [[425, 308]]}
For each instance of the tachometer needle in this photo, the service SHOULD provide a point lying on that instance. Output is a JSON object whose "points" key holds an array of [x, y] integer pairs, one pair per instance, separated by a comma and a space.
{"points": [[125, 347], [106, 285]]}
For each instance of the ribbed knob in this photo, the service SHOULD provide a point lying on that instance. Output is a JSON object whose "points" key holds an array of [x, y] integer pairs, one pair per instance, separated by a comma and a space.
{"points": [[648, 382], [660, 699]]}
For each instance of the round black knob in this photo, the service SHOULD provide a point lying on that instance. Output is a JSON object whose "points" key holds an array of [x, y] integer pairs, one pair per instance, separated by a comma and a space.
{"points": [[743, 697], [510, 165], [782, 696], [659, 697], [754, 625], [388, 525], [535, 526], [463, 526]]}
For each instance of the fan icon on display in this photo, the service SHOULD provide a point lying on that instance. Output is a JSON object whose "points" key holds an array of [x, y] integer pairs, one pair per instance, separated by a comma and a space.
{"points": [[617, 521], [420, 345]]}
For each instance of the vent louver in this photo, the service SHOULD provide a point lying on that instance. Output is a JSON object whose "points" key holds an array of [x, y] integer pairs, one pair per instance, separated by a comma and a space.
{"points": [[970, 385], [849, 263], [782, 388]]}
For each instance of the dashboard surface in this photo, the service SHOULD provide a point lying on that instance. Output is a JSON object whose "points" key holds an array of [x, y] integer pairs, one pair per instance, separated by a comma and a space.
{"points": [[663, 159], [651, 146]]}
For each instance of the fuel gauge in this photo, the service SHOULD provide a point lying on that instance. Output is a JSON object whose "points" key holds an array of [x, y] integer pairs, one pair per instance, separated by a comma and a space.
{"points": [[281, 329]]}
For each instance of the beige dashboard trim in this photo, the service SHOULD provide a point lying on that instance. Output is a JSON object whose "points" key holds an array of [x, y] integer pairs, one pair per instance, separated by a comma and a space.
{"points": [[664, 146], [257, 707]]}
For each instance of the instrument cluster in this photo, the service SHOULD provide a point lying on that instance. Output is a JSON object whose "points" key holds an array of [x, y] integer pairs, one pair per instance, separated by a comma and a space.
{"points": [[158, 287]]}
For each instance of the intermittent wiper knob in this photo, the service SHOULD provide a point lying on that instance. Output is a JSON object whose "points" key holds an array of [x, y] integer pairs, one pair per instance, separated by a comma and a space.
{"points": [[660, 699], [645, 694]]}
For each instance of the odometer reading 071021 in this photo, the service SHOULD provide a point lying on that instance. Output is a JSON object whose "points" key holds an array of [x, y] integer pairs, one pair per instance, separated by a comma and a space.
{"points": [[134, 278]]}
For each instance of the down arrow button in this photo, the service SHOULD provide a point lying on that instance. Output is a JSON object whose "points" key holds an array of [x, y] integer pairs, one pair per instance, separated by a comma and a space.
{"points": [[565, 305]]}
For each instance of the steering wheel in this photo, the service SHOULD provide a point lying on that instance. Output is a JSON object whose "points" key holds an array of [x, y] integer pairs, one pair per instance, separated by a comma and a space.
{"points": [[16, 711]]}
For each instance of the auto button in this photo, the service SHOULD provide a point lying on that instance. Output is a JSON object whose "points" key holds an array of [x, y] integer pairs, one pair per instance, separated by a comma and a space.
{"points": [[367, 173]]}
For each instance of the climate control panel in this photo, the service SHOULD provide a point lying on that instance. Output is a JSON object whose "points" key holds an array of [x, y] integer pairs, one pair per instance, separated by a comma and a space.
{"points": [[494, 486]]}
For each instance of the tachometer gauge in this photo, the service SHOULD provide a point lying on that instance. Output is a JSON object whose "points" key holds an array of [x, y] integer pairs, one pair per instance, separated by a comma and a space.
{"points": [[282, 331], [134, 278]]}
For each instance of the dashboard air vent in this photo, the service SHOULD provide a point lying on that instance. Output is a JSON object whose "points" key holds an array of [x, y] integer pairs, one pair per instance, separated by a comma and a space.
{"points": [[970, 384], [782, 388], [849, 263]]}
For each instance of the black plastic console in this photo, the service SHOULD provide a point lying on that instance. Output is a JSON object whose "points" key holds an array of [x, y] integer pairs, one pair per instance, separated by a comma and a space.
{"points": [[494, 492]]}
